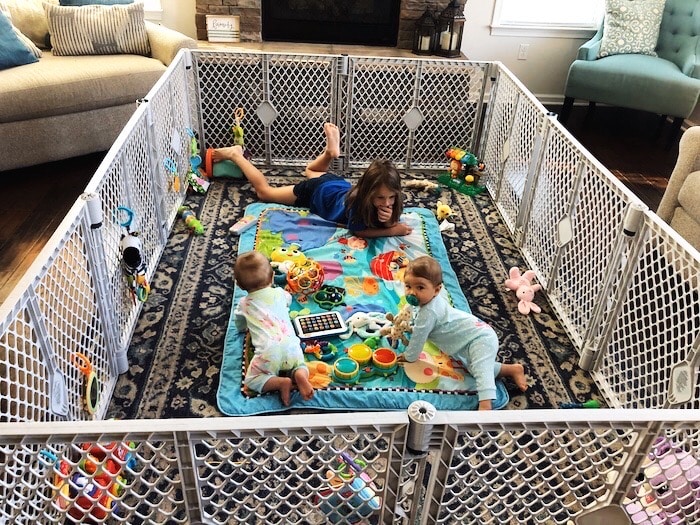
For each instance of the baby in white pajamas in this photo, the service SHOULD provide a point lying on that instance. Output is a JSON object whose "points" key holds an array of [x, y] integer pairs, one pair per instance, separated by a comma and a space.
{"points": [[265, 313]]}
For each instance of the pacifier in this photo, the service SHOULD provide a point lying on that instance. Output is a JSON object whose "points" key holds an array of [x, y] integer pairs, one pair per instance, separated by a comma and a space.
{"points": [[412, 300]]}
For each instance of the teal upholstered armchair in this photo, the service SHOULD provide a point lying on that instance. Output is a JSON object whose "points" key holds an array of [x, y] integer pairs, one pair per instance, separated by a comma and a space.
{"points": [[667, 84]]}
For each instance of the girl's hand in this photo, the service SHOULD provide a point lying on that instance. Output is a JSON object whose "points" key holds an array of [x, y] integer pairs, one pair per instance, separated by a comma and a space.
{"points": [[401, 228], [384, 213]]}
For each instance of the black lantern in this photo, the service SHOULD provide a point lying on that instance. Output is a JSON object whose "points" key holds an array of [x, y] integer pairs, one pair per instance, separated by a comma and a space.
{"points": [[449, 30], [424, 34]]}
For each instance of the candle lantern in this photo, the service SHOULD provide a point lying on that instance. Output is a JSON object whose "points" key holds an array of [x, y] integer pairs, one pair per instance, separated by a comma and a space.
{"points": [[424, 34], [449, 30]]}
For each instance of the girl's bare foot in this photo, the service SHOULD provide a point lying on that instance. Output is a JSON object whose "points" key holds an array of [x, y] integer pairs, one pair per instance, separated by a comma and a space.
{"points": [[519, 377], [285, 390], [332, 139], [305, 388], [230, 153]]}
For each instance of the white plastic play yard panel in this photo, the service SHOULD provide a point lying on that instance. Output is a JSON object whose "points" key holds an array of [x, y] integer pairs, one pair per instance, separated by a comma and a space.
{"points": [[622, 282]]}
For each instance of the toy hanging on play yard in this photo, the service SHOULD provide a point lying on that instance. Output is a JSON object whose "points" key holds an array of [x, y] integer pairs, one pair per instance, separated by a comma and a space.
{"points": [[195, 178], [464, 172], [228, 169], [133, 260]]}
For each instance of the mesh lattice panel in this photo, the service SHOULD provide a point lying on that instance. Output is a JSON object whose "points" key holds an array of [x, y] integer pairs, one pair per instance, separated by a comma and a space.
{"points": [[530, 475], [658, 325], [293, 478]]}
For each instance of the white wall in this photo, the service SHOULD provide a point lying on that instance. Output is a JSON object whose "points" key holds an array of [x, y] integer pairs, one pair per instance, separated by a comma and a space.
{"points": [[548, 59], [179, 15], [543, 72]]}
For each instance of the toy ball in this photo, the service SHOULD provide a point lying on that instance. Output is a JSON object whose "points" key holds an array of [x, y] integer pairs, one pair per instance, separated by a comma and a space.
{"points": [[305, 277]]}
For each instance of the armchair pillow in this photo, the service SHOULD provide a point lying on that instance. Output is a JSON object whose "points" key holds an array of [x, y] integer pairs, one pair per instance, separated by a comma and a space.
{"points": [[98, 29], [631, 26], [13, 51]]}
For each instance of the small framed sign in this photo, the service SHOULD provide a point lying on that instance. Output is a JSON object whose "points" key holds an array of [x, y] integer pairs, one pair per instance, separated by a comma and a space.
{"points": [[224, 28]]}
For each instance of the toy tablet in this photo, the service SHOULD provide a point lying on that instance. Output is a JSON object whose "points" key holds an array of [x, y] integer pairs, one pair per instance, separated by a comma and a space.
{"points": [[319, 325]]}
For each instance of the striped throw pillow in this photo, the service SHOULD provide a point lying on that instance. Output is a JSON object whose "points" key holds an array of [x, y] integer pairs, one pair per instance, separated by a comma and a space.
{"points": [[97, 29]]}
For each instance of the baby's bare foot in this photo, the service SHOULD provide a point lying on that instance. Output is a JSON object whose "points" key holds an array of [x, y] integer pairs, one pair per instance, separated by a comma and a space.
{"points": [[305, 388], [285, 390], [230, 153], [519, 377], [332, 139]]}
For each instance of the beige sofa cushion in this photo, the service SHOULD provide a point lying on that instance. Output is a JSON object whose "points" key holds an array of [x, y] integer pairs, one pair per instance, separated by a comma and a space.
{"points": [[686, 226], [62, 85], [689, 196]]}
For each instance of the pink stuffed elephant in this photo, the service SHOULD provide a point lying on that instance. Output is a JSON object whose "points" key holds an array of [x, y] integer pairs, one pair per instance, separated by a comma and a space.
{"points": [[524, 289]]}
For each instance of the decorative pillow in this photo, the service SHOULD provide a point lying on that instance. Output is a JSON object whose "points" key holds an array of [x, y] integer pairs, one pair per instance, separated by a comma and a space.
{"points": [[13, 52], [631, 26], [28, 16], [98, 29], [91, 2], [25, 39]]}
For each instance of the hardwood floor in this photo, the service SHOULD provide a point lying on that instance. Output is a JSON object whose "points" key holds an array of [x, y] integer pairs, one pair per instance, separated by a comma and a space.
{"points": [[34, 200], [33, 203], [631, 144]]}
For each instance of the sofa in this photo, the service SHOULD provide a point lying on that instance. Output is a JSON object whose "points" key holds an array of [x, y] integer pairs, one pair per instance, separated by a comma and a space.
{"points": [[680, 204], [60, 107]]}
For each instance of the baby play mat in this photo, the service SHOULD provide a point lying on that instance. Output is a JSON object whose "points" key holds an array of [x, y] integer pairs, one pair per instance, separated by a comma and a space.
{"points": [[361, 280]]}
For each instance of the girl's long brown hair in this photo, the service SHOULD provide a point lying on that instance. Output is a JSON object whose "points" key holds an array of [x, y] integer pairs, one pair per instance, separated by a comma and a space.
{"points": [[381, 172]]}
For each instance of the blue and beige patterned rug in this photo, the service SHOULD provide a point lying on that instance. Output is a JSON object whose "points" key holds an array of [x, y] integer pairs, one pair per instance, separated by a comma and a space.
{"points": [[177, 348]]}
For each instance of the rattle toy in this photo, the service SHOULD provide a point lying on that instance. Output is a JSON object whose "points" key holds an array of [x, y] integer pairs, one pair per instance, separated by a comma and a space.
{"points": [[524, 289], [322, 350], [133, 261], [171, 168], [305, 278], [191, 220], [328, 297], [91, 389]]}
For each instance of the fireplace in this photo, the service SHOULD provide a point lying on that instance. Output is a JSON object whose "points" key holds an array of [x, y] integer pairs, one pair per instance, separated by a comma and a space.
{"points": [[367, 22], [404, 13]]}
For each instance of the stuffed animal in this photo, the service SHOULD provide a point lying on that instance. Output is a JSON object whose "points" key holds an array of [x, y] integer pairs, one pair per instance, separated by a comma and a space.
{"points": [[425, 185], [443, 211], [524, 289], [365, 324], [401, 325]]}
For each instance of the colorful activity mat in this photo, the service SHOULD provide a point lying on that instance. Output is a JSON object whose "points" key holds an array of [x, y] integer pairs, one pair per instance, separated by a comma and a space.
{"points": [[361, 281]]}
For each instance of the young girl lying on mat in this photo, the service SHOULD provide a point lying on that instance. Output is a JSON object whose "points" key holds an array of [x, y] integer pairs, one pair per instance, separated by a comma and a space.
{"points": [[371, 208], [265, 312], [457, 333]]}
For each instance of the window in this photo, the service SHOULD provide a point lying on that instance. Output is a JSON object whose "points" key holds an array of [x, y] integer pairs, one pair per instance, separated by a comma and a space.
{"points": [[556, 18], [153, 10]]}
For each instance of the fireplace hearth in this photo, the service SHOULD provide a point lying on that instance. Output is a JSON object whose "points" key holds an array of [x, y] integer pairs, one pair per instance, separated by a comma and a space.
{"points": [[366, 22]]}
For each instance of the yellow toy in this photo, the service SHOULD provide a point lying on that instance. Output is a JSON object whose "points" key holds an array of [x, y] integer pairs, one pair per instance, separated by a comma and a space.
{"points": [[443, 211]]}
